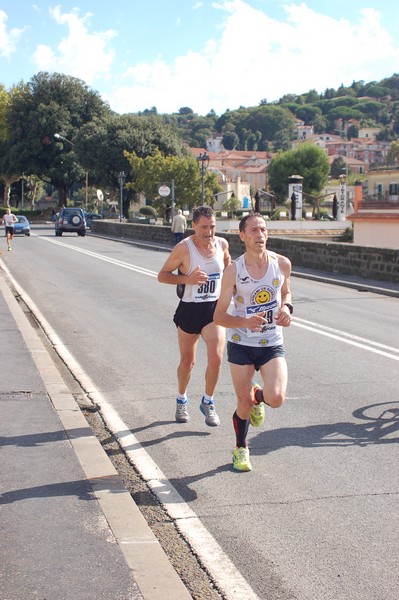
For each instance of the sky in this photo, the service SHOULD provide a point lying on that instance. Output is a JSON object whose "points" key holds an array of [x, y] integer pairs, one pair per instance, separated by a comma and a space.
{"points": [[199, 54]]}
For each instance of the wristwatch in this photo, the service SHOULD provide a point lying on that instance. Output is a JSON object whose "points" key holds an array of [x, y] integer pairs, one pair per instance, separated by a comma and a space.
{"points": [[290, 307]]}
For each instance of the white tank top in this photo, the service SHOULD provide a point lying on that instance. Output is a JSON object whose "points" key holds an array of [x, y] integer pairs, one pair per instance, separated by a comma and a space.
{"points": [[258, 295], [8, 220], [214, 267]]}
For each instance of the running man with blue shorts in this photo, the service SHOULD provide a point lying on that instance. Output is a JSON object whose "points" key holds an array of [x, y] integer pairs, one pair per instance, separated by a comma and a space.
{"points": [[259, 283]]}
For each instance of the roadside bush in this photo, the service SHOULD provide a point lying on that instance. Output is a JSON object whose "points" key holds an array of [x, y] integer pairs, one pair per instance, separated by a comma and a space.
{"points": [[148, 211], [347, 236]]}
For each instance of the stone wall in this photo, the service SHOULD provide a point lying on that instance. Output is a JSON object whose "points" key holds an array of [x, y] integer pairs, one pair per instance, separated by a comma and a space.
{"points": [[336, 257]]}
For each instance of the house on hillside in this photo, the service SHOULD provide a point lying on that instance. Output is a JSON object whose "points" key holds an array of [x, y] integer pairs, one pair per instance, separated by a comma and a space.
{"points": [[239, 171], [367, 151], [370, 151], [369, 132], [304, 131], [215, 144], [352, 165], [382, 185]]}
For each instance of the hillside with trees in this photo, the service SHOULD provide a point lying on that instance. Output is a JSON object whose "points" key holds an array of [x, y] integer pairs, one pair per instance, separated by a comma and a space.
{"points": [[270, 126]]}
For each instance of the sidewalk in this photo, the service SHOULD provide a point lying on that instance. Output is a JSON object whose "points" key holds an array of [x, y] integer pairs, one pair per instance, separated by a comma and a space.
{"points": [[69, 529]]}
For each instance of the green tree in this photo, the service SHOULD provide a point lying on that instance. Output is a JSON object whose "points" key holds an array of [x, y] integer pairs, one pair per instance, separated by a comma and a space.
{"points": [[230, 140], [49, 104], [309, 161], [346, 113], [311, 97], [9, 171], [370, 109], [308, 113], [153, 170], [338, 167], [102, 143], [352, 132], [231, 204], [268, 123]]}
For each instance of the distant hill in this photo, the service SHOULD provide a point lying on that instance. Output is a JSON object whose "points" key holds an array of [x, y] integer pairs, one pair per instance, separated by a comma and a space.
{"points": [[271, 127]]}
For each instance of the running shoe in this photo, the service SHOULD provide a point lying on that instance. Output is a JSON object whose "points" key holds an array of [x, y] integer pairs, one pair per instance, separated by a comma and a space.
{"points": [[209, 411], [241, 460], [181, 414], [257, 414]]}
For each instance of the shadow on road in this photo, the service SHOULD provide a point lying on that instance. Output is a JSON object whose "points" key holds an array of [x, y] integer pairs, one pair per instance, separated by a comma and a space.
{"points": [[381, 421]]}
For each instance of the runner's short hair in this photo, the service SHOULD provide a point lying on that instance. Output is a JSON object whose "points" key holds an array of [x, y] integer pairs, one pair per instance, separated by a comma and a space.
{"points": [[202, 211], [244, 220]]}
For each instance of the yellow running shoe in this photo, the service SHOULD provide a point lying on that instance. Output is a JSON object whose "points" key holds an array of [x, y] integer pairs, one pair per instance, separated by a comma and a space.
{"points": [[241, 460], [257, 414]]}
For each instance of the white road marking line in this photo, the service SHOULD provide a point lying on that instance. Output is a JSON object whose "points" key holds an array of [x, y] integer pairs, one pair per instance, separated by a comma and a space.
{"points": [[345, 334], [114, 261], [342, 338]]}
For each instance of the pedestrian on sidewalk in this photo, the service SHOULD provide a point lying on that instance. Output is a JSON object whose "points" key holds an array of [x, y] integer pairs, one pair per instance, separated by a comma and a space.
{"points": [[179, 226], [259, 283], [8, 220], [195, 266]]}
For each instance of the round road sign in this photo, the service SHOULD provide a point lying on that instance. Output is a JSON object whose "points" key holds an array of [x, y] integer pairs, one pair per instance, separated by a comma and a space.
{"points": [[164, 190]]}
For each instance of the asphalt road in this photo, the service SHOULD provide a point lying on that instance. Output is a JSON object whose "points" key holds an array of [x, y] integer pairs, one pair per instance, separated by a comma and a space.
{"points": [[318, 517]]}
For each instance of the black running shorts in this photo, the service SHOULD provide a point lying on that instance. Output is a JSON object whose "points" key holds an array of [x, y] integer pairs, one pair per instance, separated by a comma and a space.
{"points": [[252, 355], [192, 317]]}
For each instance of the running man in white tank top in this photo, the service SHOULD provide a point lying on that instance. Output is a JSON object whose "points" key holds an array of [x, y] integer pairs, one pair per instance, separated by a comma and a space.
{"points": [[8, 220], [259, 283], [195, 266]]}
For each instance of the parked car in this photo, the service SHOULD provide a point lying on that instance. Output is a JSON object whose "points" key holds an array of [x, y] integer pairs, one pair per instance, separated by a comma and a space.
{"points": [[90, 217], [70, 220], [23, 226]]}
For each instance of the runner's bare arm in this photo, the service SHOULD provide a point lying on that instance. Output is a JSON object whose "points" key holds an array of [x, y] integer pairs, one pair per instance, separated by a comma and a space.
{"points": [[284, 316], [226, 251], [179, 260]]}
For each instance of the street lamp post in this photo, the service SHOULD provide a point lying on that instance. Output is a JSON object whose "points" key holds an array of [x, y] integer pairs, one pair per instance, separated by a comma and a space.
{"points": [[203, 158], [121, 179]]}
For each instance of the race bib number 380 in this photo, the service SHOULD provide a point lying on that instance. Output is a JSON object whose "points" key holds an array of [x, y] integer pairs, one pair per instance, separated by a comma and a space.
{"points": [[210, 289]]}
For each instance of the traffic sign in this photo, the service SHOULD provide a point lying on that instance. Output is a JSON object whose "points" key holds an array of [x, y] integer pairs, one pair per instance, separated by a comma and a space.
{"points": [[164, 190]]}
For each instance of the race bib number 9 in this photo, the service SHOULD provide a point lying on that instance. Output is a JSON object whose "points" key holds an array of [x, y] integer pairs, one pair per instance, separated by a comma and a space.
{"points": [[268, 310]]}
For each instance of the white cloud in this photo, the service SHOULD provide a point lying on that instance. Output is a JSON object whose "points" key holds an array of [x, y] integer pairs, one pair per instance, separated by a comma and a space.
{"points": [[80, 54], [257, 57], [8, 38]]}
